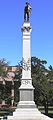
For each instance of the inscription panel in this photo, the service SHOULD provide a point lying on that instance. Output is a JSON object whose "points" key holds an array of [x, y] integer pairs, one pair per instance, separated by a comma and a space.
{"points": [[26, 95], [26, 82]]}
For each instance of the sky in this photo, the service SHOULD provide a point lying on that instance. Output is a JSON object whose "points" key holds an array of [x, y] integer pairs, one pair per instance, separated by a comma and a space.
{"points": [[11, 21]]}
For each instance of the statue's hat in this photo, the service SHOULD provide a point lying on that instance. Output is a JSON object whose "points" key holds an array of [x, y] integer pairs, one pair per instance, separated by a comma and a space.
{"points": [[27, 3]]}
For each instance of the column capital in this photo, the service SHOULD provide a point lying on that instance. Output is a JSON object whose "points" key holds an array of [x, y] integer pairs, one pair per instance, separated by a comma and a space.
{"points": [[26, 27]]}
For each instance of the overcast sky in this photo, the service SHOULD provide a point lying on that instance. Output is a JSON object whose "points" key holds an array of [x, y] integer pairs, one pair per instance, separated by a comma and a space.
{"points": [[11, 21]]}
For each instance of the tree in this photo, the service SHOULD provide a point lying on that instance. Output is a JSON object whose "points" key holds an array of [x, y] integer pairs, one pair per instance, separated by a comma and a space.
{"points": [[40, 82], [3, 65], [50, 79], [3, 73]]}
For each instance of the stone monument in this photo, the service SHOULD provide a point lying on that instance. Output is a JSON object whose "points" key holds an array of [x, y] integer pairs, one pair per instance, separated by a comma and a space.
{"points": [[26, 108]]}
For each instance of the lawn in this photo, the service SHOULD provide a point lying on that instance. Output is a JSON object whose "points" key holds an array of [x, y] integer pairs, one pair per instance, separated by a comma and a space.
{"points": [[50, 110]]}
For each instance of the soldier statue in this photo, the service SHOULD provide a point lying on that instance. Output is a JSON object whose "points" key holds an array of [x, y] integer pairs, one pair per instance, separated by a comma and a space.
{"points": [[27, 11]]}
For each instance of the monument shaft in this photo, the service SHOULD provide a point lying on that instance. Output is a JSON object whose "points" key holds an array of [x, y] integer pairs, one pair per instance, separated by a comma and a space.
{"points": [[26, 88], [26, 71]]}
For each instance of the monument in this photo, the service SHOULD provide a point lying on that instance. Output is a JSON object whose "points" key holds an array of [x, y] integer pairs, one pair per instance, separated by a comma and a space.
{"points": [[26, 108]]}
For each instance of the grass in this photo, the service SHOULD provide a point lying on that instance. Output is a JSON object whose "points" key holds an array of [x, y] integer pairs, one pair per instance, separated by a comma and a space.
{"points": [[50, 110], [6, 111]]}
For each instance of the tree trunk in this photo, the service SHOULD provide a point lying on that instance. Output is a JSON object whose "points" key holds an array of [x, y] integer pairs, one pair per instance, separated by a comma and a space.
{"points": [[12, 93], [46, 107]]}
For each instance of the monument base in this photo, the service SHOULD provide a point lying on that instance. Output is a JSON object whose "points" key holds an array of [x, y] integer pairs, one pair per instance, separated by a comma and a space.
{"points": [[28, 114], [26, 108]]}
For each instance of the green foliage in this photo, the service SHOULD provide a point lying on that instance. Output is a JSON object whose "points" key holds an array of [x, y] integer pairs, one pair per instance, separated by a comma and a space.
{"points": [[42, 82], [3, 65], [3, 73]]}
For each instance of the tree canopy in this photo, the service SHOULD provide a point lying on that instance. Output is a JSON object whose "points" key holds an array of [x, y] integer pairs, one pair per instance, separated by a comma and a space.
{"points": [[3, 65], [42, 82]]}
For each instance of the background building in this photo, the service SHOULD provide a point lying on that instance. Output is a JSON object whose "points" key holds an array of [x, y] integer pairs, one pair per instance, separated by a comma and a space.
{"points": [[9, 94]]}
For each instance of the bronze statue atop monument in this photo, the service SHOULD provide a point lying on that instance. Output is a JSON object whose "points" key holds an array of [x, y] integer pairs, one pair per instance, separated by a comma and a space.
{"points": [[27, 11]]}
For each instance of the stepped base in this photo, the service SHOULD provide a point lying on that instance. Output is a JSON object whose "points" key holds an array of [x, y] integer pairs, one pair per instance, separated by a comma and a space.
{"points": [[26, 104], [28, 114]]}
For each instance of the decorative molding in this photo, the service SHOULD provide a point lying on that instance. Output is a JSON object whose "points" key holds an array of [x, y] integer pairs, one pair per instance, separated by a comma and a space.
{"points": [[26, 65], [24, 29]]}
